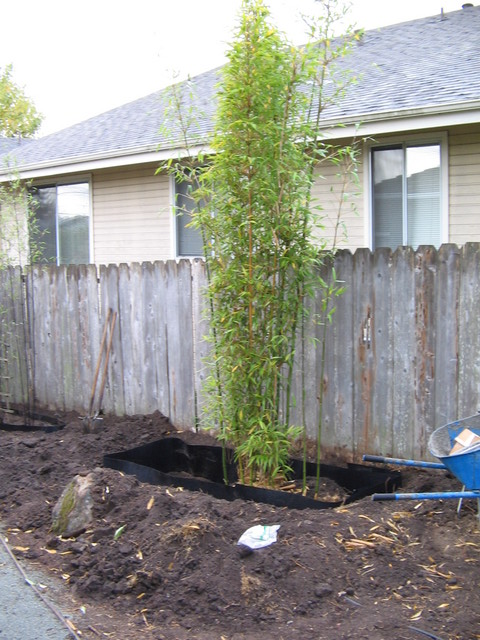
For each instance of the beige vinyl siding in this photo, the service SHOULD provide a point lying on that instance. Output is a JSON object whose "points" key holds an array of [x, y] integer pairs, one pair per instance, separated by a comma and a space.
{"points": [[131, 215], [341, 203], [464, 186]]}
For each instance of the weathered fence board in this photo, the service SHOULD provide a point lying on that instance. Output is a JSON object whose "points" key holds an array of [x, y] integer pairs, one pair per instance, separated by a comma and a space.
{"points": [[14, 358], [179, 325], [382, 347], [402, 354], [363, 359], [447, 321], [468, 333], [337, 383], [46, 377], [148, 347], [87, 332], [425, 337], [403, 382], [119, 367], [159, 283], [304, 392], [201, 344], [131, 337]]}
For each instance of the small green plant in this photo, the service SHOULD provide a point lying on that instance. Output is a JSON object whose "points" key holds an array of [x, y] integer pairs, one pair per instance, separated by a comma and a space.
{"points": [[262, 456], [119, 532]]}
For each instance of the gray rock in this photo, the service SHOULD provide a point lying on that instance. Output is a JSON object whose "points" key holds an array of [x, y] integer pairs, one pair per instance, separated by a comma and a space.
{"points": [[73, 512]]}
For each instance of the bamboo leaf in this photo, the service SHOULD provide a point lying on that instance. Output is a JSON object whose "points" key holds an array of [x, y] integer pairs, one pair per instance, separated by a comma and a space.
{"points": [[119, 532]]}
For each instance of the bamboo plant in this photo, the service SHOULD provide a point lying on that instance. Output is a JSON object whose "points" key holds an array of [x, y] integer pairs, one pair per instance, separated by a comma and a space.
{"points": [[262, 231]]}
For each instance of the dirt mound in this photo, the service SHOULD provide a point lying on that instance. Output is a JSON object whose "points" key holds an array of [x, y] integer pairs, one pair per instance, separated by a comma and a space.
{"points": [[163, 563]]}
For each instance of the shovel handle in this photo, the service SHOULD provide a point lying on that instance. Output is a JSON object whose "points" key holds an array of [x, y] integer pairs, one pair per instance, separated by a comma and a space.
{"points": [[105, 367], [99, 361]]}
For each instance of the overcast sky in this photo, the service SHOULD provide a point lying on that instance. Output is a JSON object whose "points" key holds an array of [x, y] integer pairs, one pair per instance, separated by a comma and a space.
{"points": [[78, 59]]}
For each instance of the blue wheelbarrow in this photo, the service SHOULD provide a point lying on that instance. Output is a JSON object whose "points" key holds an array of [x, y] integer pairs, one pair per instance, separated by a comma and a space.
{"points": [[463, 464]]}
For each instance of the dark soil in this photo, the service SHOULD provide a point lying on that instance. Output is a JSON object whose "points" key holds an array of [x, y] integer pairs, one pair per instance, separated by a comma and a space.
{"points": [[376, 570]]}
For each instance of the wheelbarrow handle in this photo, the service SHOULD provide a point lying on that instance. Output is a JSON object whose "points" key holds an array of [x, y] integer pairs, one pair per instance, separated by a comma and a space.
{"points": [[406, 463], [439, 495]]}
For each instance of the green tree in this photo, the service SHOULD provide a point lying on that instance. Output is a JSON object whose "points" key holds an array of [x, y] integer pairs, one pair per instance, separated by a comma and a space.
{"points": [[18, 117], [18, 114]]}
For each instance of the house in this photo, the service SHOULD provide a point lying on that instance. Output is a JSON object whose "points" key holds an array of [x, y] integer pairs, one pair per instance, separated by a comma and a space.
{"points": [[416, 105]]}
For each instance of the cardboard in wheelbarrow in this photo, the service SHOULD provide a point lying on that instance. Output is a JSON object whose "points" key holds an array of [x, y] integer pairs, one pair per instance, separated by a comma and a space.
{"points": [[465, 462], [466, 438]]}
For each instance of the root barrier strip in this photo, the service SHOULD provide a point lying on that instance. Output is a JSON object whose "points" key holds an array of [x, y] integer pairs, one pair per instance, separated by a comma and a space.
{"points": [[173, 462]]}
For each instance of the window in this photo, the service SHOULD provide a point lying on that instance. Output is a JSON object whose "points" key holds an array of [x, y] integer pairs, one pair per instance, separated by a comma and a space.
{"points": [[407, 195], [62, 217], [188, 238]]}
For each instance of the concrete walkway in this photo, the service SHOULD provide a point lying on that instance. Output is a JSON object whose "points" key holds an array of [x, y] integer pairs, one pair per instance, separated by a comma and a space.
{"points": [[24, 615]]}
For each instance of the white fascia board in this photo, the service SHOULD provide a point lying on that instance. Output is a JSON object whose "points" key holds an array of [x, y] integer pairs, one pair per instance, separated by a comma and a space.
{"points": [[383, 123], [89, 164], [403, 121]]}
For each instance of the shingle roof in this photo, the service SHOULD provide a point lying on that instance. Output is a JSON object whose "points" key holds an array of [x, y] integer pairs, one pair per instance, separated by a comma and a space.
{"points": [[425, 64], [10, 144], [130, 128]]}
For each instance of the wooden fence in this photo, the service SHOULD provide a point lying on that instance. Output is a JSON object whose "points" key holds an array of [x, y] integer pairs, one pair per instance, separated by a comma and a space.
{"points": [[402, 356]]}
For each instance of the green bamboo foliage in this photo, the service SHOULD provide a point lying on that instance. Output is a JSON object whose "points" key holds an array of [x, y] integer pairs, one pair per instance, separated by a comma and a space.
{"points": [[262, 232], [20, 246]]}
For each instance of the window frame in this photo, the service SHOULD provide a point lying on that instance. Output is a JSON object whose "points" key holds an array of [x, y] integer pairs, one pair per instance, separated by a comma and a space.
{"points": [[439, 138], [64, 181]]}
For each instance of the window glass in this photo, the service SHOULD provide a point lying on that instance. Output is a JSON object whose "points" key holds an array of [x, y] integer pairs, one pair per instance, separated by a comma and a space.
{"points": [[388, 197], [406, 198], [423, 195], [73, 223], [189, 239], [44, 239], [62, 215]]}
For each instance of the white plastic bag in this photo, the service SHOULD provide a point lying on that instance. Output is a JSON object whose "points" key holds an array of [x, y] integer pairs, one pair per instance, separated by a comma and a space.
{"points": [[259, 536]]}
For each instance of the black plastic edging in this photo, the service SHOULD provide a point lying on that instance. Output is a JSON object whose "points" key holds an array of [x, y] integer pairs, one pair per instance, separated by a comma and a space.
{"points": [[172, 462], [53, 424]]}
